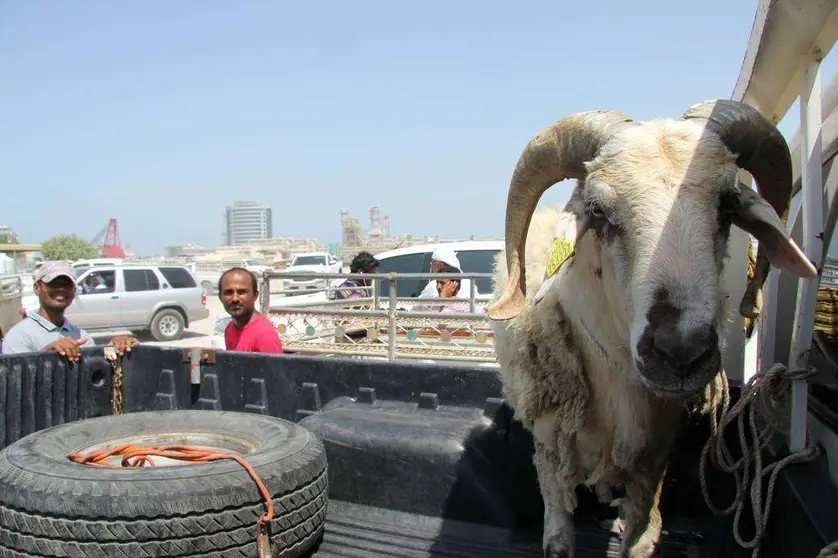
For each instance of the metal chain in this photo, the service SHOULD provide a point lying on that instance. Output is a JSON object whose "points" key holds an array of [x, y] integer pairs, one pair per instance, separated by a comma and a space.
{"points": [[116, 365], [767, 389]]}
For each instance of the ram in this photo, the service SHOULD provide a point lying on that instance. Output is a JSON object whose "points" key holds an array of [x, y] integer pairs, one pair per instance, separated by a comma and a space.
{"points": [[619, 336]]}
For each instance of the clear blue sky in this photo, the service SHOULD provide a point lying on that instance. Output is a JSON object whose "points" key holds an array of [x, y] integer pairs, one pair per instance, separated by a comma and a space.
{"points": [[162, 113]]}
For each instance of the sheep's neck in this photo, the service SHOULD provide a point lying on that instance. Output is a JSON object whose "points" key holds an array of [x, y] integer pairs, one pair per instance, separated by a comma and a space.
{"points": [[590, 306], [622, 413]]}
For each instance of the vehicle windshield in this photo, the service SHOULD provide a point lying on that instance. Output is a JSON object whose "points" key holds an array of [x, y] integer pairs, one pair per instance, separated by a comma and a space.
{"points": [[309, 260]]}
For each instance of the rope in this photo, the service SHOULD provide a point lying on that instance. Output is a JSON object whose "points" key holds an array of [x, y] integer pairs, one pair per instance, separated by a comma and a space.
{"points": [[139, 456], [768, 390]]}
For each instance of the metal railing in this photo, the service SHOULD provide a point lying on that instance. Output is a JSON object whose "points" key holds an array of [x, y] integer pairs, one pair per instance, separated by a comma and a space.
{"points": [[385, 327], [783, 64]]}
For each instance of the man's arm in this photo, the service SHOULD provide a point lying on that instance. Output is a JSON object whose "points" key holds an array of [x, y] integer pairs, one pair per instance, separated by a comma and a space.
{"points": [[16, 341], [266, 340], [270, 344], [429, 291], [84, 335]]}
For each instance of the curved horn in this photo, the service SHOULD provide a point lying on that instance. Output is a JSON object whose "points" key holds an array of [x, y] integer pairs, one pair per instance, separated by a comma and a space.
{"points": [[762, 151], [554, 154], [760, 148]]}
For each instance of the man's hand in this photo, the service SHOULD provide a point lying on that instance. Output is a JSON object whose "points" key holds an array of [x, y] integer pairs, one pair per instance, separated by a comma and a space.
{"points": [[123, 345], [448, 289], [67, 347]]}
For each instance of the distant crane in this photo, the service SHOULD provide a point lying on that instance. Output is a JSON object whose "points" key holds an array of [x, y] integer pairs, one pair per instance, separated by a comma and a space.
{"points": [[108, 240]]}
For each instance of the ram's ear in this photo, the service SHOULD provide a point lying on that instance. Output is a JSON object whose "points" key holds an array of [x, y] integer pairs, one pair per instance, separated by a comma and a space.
{"points": [[543, 289], [753, 214]]}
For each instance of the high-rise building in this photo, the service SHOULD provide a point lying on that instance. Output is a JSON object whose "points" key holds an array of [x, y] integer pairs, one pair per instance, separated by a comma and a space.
{"points": [[248, 221]]}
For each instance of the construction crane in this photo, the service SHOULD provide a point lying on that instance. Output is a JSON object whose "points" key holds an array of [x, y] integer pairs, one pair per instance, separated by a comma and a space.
{"points": [[108, 241]]}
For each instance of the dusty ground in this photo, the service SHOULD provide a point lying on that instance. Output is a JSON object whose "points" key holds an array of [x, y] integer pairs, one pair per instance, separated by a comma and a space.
{"points": [[196, 335]]}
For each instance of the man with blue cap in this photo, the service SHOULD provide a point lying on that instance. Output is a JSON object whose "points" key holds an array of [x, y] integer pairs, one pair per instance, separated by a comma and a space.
{"points": [[48, 329]]}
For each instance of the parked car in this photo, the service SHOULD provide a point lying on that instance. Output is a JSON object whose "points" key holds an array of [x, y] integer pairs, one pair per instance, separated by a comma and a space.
{"points": [[163, 300], [11, 295], [81, 266], [255, 267], [476, 256], [310, 262]]}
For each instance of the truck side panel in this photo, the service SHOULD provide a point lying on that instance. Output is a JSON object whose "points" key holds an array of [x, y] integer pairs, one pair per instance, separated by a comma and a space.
{"points": [[42, 390]]}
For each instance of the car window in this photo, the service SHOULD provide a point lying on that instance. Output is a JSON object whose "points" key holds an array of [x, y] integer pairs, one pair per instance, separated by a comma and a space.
{"points": [[99, 282], [79, 269], [479, 261], [178, 277], [140, 280], [408, 263], [309, 260]]}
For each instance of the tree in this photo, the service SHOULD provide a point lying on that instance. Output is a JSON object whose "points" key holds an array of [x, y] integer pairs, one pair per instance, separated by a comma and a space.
{"points": [[67, 247]]}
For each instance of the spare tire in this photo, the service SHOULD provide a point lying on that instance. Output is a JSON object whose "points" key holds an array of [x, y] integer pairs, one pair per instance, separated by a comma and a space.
{"points": [[51, 506]]}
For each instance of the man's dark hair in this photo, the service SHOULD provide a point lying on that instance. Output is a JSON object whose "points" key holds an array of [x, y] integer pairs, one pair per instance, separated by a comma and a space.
{"points": [[254, 282], [364, 261]]}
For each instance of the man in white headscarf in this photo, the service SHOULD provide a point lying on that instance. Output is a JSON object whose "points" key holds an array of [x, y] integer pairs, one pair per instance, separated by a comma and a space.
{"points": [[441, 256]]}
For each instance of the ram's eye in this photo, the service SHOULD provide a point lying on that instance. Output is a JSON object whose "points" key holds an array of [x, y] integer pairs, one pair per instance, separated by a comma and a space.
{"points": [[597, 212]]}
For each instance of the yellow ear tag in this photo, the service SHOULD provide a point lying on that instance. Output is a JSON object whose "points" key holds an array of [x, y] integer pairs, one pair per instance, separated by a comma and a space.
{"points": [[561, 251]]}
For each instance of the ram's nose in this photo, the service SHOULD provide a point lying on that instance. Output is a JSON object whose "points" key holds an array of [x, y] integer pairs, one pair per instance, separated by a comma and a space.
{"points": [[677, 363], [683, 353]]}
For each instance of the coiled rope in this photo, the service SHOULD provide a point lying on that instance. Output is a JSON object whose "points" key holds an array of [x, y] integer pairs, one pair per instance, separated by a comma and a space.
{"points": [[764, 395], [139, 456]]}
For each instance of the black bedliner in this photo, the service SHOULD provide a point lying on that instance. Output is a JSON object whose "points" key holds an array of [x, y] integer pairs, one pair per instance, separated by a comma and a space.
{"points": [[356, 530]]}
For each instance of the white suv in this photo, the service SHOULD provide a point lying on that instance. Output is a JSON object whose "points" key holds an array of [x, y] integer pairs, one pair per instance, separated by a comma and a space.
{"points": [[163, 300], [311, 262]]}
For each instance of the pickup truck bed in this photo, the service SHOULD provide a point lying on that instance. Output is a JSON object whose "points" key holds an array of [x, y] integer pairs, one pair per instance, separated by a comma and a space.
{"points": [[423, 460], [362, 531]]}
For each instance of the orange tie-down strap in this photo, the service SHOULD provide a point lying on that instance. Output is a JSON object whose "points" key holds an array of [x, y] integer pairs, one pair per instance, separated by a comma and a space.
{"points": [[139, 456]]}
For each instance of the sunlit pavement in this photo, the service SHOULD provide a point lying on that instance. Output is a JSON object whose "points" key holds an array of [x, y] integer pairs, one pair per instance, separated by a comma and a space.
{"points": [[198, 334]]}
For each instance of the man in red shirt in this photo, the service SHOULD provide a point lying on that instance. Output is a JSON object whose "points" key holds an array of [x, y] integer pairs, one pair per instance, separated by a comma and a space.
{"points": [[249, 331]]}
